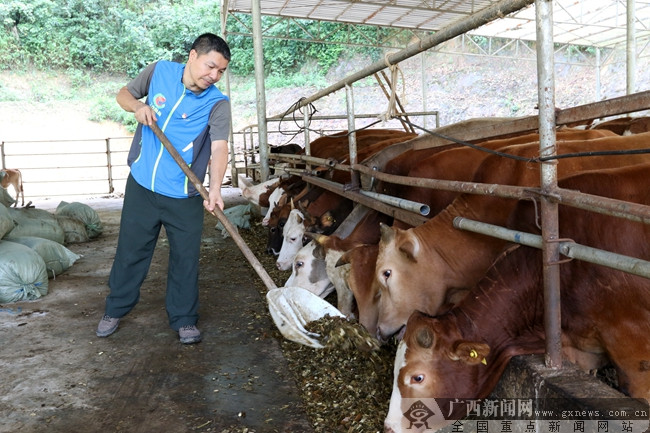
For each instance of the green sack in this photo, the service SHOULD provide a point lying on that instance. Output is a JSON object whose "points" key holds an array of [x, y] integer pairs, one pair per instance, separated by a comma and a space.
{"points": [[239, 216], [6, 222], [85, 213], [35, 222], [6, 198], [23, 276], [57, 258], [73, 228]]}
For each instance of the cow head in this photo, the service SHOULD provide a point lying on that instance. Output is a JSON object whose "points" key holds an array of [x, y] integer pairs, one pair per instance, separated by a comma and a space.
{"points": [[434, 367], [276, 199], [406, 278], [361, 261], [277, 221], [292, 238], [309, 271]]}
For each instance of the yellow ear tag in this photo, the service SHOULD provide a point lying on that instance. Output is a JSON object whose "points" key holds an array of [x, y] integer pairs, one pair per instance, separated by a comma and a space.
{"points": [[484, 361], [473, 353]]}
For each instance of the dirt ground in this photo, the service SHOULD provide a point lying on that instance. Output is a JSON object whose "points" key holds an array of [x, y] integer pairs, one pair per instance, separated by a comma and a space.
{"points": [[59, 377]]}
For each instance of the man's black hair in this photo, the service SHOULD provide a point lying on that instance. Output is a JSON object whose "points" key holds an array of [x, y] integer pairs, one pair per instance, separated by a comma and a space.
{"points": [[210, 42]]}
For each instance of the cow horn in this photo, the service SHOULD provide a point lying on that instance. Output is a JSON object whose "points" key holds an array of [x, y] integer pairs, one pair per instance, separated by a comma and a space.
{"points": [[343, 260], [387, 232]]}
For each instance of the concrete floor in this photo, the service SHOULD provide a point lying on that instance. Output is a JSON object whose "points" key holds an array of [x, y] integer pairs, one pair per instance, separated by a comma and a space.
{"points": [[57, 376]]}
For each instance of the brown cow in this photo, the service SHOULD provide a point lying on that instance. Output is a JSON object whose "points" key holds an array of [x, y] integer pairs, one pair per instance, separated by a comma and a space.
{"points": [[13, 177], [605, 313], [448, 163], [625, 125], [416, 267]]}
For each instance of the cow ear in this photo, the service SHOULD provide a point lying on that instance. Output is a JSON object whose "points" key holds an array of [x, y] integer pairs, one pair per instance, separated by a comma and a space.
{"points": [[424, 337], [319, 252], [410, 248], [343, 260], [327, 220], [469, 352], [387, 233]]}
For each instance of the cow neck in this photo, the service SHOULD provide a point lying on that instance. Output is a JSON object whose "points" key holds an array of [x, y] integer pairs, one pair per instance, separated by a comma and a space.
{"points": [[504, 310], [467, 255]]}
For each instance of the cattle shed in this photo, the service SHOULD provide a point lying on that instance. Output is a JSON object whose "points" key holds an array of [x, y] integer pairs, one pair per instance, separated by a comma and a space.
{"points": [[237, 380], [594, 24]]}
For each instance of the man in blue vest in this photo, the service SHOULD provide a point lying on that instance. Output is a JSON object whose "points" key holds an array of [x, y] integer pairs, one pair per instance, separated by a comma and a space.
{"points": [[183, 100]]}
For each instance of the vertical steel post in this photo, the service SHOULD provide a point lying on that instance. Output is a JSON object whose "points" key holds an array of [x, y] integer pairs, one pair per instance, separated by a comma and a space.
{"points": [[423, 80], [260, 90], [598, 85], [550, 226], [109, 165], [233, 168], [352, 137], [306, 120], [630, 48], [2, 155]]}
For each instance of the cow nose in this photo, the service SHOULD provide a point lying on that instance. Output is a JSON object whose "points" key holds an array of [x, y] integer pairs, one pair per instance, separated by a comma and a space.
{"points": [[388, 429]]}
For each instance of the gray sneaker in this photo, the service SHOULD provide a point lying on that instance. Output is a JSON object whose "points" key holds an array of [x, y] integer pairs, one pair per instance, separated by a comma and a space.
{"points": [[107, 326], [189, 334]]}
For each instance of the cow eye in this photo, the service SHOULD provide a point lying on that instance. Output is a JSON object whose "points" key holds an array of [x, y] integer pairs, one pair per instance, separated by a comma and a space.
{"points": [[273, 229], [418, 378], [299, 264], [386, 274], [292, 239]]}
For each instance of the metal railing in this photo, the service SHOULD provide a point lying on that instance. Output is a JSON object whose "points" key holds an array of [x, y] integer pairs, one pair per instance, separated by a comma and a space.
{"points": [[247, 155], [57, 168]]}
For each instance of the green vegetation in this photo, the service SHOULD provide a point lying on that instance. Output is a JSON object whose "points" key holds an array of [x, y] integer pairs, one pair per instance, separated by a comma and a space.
{"points": [[84, 41], [125, 35]]}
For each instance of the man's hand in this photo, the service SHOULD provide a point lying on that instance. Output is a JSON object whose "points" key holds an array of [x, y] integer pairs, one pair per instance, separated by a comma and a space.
{"points": [[215, 200], [145, 115]]}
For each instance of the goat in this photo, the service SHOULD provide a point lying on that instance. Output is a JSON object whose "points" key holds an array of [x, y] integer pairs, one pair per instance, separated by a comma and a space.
{"points": [[10, 176]]}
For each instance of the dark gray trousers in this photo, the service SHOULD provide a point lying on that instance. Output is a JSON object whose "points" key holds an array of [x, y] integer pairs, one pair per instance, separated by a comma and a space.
{"points": [[143, 214]]}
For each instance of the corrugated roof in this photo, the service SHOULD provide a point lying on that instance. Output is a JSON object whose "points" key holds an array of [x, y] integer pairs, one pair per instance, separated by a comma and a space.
{"points": [[580, 22]]}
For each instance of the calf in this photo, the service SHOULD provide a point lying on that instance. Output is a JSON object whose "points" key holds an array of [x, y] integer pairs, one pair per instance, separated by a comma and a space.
{"points": [[12, 176]]}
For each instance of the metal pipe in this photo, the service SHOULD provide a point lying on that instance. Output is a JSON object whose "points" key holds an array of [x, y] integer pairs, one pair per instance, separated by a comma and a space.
{"points": [[109, 166], [410, 218], [352, 136], [401, 203], [260, 90], [630, 48], [573, 250], [330, 162], [233, 166], [464, 25], [549, 209]]}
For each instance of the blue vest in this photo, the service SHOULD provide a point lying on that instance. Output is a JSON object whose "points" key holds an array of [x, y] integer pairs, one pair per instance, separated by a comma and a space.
{"points": [[183, 117]]}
